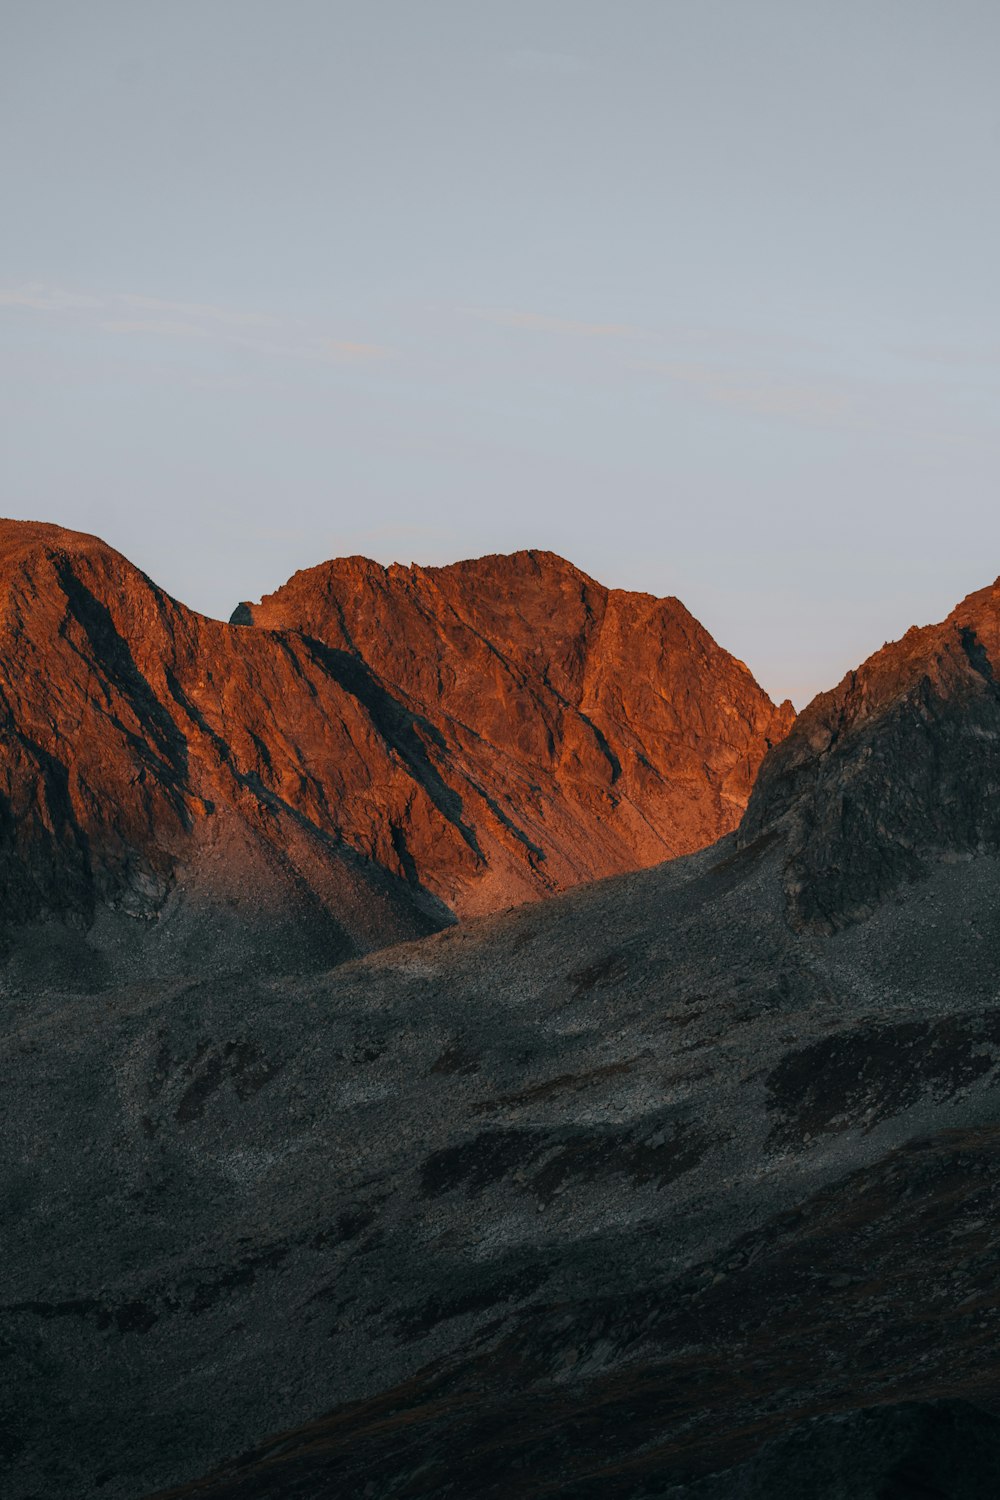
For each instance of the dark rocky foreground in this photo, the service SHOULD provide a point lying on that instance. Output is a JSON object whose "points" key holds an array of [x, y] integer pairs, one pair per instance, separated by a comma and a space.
{"points": [[586, 1200], [683, 1184]]}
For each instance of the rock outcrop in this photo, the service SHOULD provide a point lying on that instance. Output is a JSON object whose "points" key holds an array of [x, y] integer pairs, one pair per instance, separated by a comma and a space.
{"points": [[897, 767], [172, 785], [583, 731], [168, 782]]}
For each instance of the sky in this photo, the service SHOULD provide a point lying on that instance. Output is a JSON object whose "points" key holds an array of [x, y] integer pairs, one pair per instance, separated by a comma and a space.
{"points": [[701, 294]]}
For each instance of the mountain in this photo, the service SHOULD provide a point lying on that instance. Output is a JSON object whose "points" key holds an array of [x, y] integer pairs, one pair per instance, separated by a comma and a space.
{"points": [[584, 731], [181, 793], [178, 791], [898, 767], [666, 1187]]}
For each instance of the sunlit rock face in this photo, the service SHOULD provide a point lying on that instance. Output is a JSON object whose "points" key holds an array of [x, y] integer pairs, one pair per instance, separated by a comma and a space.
{"points": [[173, 783], [577, 731], [178, 792]]}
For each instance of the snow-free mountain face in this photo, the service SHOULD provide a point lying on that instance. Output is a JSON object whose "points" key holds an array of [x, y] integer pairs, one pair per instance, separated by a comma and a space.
{"points": [[897, 767], [605, 1196], [187, 792], [579, 731]]}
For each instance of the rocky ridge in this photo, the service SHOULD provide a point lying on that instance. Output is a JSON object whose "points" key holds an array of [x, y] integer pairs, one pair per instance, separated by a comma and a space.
{"points": [[584, 731], [172, 786], [895, 768]]}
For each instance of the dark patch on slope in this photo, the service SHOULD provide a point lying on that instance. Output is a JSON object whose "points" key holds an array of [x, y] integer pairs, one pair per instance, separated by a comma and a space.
{"points": [[476, 1288], [111, 654], [241, 1063], [870, 1074], [479, 1162], [401, 729]]}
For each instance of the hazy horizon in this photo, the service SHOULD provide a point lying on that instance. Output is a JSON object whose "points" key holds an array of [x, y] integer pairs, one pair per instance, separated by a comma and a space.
{"points": [[701, 297]]}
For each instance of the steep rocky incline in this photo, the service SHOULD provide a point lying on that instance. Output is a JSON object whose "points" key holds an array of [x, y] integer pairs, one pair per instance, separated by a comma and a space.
{"points": [[166, 777], [896, 768], [169, 782], [586, 731]]}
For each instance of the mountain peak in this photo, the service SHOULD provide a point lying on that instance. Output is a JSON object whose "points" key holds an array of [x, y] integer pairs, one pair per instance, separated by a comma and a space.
{"points": [[402, 744], [896, 767], [553, 692], [19, 539]]}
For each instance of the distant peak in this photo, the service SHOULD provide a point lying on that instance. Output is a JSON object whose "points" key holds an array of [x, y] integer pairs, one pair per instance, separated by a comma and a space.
{"points": [[30, 536], [32, 545]]}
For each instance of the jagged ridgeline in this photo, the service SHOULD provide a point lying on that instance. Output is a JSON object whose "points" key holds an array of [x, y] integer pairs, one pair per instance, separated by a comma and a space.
{"points": [[896, 768], [385, 750]]}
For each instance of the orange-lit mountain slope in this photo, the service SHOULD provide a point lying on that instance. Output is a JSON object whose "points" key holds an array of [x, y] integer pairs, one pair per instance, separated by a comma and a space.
{"points": [[583, 731], [386, 750]]}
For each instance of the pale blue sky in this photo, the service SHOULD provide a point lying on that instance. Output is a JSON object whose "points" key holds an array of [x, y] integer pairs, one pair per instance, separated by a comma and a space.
{"points": [[702, 294]]}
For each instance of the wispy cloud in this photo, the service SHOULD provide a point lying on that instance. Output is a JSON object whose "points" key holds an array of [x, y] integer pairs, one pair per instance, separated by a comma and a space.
{"points": [[163, 326], [544, 323], [759, 393], [38, 298], [344, 349], [721, 341], [200, 312], [131, 314]]}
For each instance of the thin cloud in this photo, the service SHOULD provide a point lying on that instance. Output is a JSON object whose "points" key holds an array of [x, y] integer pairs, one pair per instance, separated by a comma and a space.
{"points": [[164, 327], [344, 349], [129, 313], [38, 298], [759, 394], [200, 312], [544, 323]]}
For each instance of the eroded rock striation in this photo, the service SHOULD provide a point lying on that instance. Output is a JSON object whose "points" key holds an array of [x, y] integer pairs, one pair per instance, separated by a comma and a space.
{"points": [[305, 792], [168, 782], [583, 731]]}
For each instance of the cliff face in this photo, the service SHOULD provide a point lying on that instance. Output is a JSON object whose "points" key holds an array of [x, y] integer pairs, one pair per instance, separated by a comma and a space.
{"points": [[159, 764], [897, 767], [400, 747], [582, 731]]}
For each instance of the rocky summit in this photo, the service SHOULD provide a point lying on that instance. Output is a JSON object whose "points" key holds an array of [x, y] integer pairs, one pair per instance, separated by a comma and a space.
{"points": [[897, 768], [682, 1185], [178, 794], [582, 731]]}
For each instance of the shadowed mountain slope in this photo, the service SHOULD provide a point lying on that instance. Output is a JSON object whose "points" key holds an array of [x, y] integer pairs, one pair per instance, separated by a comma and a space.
{"points": [[898, 766], [193, 795], [642, 1192]]}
